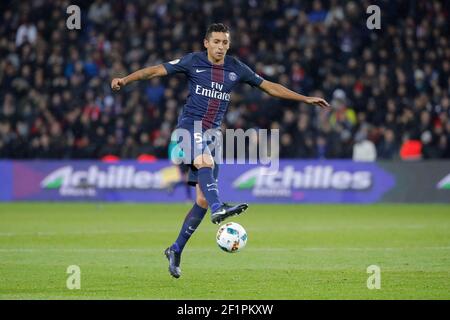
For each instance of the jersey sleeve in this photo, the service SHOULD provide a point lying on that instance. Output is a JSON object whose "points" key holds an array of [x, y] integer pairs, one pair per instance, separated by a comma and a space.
{"points": [[182, 65], [248, 76]]}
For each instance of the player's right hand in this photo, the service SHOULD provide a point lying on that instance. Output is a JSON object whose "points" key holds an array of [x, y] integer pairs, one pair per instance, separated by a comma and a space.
{"points": [[318, 101], [117, 83]]}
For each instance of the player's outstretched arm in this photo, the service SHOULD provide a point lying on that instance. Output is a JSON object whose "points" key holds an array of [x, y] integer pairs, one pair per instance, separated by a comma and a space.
{"points": [[142, 74], [279, 91]]}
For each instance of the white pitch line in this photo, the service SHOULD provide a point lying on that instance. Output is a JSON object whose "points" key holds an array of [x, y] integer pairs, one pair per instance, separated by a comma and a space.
{"points": [[174, 229], [144, 250], [47, 233]]}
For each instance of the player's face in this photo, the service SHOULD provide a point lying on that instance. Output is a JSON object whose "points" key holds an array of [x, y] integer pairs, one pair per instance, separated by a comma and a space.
{"points": [[217, 45]]}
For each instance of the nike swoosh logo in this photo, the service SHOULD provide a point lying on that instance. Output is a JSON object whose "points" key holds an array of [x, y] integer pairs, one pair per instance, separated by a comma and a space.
{"points": [[190, 228], [210, 184], [198, 71]]}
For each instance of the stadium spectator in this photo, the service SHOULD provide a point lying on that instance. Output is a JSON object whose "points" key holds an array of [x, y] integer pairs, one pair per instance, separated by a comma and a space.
{"points": [[55, 100], [27, 33]]}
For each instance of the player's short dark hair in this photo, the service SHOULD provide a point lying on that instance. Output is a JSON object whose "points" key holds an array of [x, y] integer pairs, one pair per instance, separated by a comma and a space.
{"points": [[216, 27]]}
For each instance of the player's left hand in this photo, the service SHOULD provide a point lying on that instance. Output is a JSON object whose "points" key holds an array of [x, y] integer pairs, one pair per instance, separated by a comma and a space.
{"points": [[318, 101]]}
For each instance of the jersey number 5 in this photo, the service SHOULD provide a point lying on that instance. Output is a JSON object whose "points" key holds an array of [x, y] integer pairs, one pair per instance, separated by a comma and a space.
{"points": [[198, 137]]}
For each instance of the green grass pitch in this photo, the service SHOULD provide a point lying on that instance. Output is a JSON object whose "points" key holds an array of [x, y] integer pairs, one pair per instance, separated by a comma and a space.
{"points": [[293, 252]]}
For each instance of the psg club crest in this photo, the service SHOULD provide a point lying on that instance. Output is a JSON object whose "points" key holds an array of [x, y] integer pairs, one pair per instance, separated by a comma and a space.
{"points": [[232, 76]]}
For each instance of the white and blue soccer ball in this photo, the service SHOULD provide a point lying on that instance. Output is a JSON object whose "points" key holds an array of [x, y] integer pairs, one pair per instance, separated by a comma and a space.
{"points": [[231, 237]]}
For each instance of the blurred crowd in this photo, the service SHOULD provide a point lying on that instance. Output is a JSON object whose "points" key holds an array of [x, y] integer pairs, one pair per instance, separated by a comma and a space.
{"points": [[386, 87]]}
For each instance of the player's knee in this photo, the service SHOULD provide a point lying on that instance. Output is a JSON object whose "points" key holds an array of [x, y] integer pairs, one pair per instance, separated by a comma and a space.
{"points": [[204, 161], [201, 201]]}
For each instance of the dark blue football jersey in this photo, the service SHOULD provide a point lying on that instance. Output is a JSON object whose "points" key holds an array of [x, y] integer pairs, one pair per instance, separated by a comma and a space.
{"points": [[210, 86]]}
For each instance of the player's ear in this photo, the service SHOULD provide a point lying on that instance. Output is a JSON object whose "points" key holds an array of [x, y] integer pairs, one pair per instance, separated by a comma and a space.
{"points": [[206, 43]]}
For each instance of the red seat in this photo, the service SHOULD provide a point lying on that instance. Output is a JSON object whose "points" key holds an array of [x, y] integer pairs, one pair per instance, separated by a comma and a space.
{"points": [[411, 150], [110, 158], [146, 158]]}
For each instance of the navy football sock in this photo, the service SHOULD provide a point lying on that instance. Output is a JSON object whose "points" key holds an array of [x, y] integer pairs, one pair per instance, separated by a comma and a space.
{"points": [[209, 187], [190, 224]]}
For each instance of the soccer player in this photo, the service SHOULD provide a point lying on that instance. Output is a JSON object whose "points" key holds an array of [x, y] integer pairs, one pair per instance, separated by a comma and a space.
{"points": [[212, 75]]}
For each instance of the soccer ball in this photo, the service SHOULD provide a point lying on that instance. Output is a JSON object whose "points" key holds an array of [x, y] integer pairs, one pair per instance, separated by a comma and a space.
{"points": [[231, 237]]}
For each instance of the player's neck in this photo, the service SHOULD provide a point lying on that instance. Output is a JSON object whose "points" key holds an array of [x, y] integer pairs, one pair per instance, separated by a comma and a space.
{"points": [[214, 61]]}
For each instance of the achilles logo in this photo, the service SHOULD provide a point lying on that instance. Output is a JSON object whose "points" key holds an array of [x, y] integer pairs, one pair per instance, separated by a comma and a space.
{"points": [[311, 177], [71, 182], [444, 183]]}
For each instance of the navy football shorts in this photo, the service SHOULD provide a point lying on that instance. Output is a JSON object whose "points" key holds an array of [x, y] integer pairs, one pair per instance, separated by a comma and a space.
{"points": [[191, 144]]}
